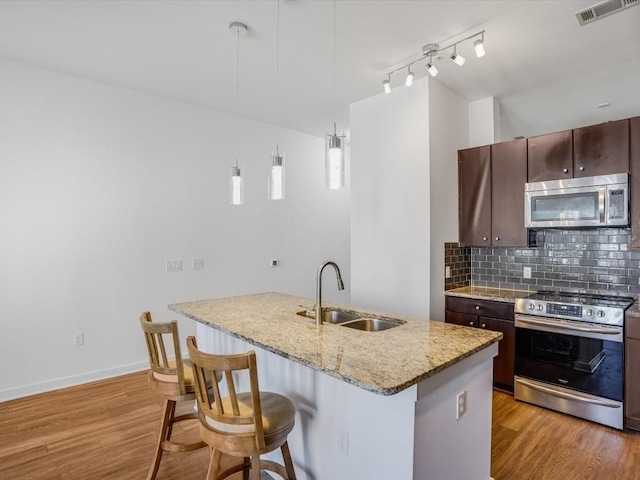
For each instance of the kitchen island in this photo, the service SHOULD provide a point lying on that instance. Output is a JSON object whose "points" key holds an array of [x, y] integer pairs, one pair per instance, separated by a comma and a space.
{"points": [[370, 405]]}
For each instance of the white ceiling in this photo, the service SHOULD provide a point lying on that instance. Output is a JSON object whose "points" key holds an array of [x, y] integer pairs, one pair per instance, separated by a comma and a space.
{"points": [[548, 72]]}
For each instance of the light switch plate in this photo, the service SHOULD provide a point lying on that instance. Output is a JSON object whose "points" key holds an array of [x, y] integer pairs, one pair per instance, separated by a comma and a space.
{"points": [[174, 265], [447, 272]]}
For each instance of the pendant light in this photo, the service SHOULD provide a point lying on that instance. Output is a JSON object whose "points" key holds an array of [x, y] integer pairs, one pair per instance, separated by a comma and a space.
{"points": [[334, 162], [276, 173], [236, 184]]}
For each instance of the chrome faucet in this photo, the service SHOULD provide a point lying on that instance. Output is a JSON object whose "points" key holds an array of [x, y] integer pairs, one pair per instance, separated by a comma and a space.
{"points": [[319, 288]]}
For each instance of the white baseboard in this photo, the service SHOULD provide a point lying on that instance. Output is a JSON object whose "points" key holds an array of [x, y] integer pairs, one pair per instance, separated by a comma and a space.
{"points": [[63, 382]]}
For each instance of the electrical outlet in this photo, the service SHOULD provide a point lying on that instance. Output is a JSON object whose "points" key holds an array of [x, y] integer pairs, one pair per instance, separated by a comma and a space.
{"points": [[78, 339], [343, 441], [274, 262], [197, 263], [174, 265], [447, 272], [461, 404], [526, 272]]}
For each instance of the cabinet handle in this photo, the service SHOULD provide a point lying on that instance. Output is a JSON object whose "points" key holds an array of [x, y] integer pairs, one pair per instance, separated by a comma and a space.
{"points": [[471, 324], [582, 169], [565, 170], [484, 238], [484, 325], [497, 238], [477, 307]]}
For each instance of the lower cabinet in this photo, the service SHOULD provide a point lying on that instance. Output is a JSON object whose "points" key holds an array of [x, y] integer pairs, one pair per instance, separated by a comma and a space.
{"points": [[496, 316], [631, 367]]}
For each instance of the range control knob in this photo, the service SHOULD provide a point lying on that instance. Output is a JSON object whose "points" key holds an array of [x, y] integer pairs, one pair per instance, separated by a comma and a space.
{"points": [[531, 306], [600, 313], [589, 313], [540, 307]]}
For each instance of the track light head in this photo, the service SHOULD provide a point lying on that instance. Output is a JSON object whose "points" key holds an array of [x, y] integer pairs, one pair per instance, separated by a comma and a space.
{"points": [[386, 85], [431, 68], [409, 81], [479, 47], [457, 59]]}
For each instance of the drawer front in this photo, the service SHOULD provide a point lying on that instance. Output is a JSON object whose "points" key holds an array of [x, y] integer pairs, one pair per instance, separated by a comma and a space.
{"points": [[483, 308], [463, 319]]}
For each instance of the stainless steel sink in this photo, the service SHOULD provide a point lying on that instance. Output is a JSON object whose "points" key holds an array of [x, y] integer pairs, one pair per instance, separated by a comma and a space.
{"points": [[372, 324], [331, 316]]}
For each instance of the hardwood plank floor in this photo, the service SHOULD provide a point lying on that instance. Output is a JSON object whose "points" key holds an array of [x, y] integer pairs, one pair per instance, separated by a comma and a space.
{"points": [[106, 430]]}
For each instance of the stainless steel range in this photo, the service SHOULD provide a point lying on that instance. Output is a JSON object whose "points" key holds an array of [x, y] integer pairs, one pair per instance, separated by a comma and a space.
{"points": [[570, 354]]}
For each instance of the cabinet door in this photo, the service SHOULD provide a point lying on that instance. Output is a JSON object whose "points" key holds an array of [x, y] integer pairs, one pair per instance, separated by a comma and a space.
{"points": [[461, 319], [634, 130], [601, 149], [503, 364], [474, 196], [550, 157], [632, 383], [508, 176]]}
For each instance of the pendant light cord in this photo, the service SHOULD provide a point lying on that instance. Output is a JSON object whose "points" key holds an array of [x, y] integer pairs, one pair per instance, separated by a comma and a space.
{"points": [[334, 67], [278, 81], [237, 95]]}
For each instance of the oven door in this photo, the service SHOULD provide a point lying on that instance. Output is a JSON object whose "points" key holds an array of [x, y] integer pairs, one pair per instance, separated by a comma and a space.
{"points": [[575, 355]]}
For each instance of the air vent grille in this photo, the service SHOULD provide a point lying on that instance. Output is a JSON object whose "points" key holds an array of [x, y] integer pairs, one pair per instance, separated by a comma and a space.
{"points": [[603, 9]]}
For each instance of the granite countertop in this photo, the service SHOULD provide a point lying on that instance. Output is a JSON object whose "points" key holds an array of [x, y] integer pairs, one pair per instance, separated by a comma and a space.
{"points": [[487, 293], [384, 362]]}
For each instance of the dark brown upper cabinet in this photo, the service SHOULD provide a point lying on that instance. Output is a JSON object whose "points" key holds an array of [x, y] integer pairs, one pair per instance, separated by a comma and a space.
{"points": [[634, 194], [491, 194], [508, 176], [550, 157], [474, 196], [601, 149]]}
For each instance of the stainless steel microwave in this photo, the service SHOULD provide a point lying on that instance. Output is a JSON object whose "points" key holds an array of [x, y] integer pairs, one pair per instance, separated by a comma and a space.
{"points": [[601, 201]]}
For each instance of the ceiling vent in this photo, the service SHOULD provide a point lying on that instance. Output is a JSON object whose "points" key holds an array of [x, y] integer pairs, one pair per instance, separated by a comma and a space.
{"points": [[603, 9]]}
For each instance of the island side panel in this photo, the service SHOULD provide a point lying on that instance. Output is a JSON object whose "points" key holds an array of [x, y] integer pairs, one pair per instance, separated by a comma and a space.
{"points": [[447, 447], [380, 428]]}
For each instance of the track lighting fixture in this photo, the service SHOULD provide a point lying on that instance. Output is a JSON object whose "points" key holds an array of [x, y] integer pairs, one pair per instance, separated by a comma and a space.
{"points": [[387, 85], [433, 49], [431, 68], [409, 81], [457, 59], [479, 47]]}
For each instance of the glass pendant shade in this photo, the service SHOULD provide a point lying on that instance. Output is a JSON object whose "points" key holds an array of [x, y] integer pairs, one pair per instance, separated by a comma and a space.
{"points": [[431, 68], [334, 167], [236, 187], [276, 178], [479, 47]]}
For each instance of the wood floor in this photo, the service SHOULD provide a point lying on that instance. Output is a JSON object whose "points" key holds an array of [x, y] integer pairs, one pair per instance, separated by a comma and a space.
{"points": [[105, 430]]}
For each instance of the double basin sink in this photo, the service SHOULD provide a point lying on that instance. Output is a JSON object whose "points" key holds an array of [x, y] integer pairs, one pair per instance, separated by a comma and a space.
{"points": [[353, 320]]}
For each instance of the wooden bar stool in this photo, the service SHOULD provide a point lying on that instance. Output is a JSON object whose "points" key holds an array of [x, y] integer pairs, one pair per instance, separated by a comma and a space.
{"points": [[242, 425], [173, 379]]}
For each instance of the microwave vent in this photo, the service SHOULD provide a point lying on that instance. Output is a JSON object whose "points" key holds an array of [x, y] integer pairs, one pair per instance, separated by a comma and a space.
{"points": [[603, 9]]}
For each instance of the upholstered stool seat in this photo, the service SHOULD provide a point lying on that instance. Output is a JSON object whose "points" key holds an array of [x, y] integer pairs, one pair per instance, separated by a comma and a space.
{"points": [[173, 380], [245, 424]]}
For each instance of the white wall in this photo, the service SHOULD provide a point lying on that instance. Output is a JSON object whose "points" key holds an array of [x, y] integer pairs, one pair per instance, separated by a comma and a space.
{"points": [[448, 120], [390, 201], [99, 186], [484, 122]]}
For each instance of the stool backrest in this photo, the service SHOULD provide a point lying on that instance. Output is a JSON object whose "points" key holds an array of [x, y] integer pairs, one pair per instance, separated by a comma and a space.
{"points": [[157, 335], [237, 409]]}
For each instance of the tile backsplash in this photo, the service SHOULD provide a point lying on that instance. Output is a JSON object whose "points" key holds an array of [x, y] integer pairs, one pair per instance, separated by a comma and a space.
{"points": [[595, 261], [458, 259]]}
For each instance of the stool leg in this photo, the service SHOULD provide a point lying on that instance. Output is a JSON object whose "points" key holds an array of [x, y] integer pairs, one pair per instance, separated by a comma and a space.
{"points": [[255, 467], [286, 455], [172, 406], [247, 467], [214, 465], [165, 423]]}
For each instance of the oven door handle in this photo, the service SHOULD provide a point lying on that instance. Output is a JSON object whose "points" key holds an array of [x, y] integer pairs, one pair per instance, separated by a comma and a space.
{"points": [[554, 325], [568, 396]]}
